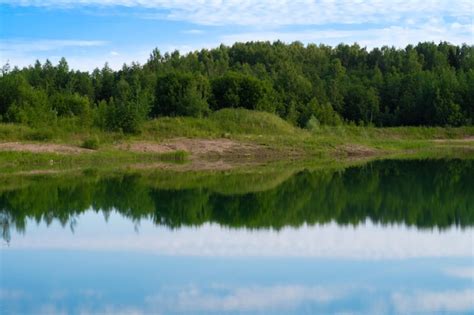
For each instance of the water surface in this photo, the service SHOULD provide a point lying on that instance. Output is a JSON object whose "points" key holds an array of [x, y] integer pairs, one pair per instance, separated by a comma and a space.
{"points": [[386, 237]]}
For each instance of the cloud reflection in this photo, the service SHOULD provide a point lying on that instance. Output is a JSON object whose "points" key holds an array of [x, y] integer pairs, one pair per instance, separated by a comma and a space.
{"points": [[431, 302], [244, 299], [461, 272], [366, 241]]}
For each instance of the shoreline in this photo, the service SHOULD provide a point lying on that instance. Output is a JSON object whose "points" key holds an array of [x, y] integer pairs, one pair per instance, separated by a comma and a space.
{"points": [[225, 140], [216, 154]]}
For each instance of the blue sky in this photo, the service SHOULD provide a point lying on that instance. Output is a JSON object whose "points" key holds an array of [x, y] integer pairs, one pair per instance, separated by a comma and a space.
{"points": [[90, 32]]}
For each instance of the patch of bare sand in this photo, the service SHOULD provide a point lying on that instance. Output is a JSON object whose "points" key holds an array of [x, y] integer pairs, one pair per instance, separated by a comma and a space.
{"points": [[42, 148], [199, 147], [38, 172], [206, 154], [463, 140], [193, 165], [357, 150]]}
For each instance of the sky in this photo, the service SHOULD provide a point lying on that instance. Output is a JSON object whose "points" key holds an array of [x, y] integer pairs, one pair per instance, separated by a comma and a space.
{"points": [[91, 32]]}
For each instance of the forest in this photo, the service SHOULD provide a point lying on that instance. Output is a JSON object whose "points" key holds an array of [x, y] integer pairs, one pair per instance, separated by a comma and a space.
{"points": [[424, 85]]}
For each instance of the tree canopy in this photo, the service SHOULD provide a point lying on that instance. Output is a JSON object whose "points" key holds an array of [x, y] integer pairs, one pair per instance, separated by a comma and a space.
{"points": [[427, 84]]}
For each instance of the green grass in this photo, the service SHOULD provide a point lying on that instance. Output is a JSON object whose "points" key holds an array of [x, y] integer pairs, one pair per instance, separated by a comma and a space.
{"points": [[223, 123], [13, 162], [270, 130], [229, 123], [238, 124]]}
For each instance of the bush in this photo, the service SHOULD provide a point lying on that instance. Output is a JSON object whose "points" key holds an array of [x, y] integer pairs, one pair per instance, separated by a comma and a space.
{"points": [[313, 124], [91, 143], [67, 104], [31, 107], [324, 114], [123, 116]]}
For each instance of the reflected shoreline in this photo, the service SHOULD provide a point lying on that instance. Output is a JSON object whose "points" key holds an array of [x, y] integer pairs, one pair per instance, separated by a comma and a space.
{"points": [[426, 194]]}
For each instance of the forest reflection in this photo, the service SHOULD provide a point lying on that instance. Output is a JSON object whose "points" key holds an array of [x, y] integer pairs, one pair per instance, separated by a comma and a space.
{"points": [[420, 193]]}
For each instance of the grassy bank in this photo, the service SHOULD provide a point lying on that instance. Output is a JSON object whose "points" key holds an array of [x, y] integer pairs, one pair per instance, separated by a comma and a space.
{"points": [[279, 138], [30, 162]]}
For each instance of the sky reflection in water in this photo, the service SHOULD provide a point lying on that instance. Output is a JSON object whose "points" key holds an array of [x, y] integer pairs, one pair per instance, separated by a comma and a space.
{"points": [[105, 262]]}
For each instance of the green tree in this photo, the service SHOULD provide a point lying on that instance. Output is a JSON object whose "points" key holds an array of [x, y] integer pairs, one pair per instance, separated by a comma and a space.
{"points": [[240, 90], [30, 106], [181, 94], [426, 84], [361, 104]]}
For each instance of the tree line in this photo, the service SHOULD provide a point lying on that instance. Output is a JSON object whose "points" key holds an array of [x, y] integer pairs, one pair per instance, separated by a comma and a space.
{"points": [[427, 84], [425, 194]]}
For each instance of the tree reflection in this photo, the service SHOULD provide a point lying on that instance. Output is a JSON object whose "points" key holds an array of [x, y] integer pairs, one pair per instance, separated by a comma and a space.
{"points": [[425, 194]]}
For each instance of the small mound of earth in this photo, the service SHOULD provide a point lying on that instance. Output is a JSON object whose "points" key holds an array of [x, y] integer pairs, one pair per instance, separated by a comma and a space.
{"points": [[41, 148]]}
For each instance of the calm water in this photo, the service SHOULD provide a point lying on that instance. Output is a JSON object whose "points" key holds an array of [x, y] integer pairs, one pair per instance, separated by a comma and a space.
{"points": [[385, 238]]}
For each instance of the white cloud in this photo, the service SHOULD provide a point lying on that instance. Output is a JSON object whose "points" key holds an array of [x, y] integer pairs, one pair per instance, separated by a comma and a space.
{"points": [[88, 58], [371, 23], [398, 36], [277, 13], [434, 302], [193, 32], [244, 299], [111, 310], [23, 53], [23, 46]]}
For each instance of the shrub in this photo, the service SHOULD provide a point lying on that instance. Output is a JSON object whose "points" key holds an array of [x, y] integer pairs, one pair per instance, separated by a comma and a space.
{"points": [[67, 104], [91, 143], [313, 124], [31, 107], [323, 113], [126, 116]]}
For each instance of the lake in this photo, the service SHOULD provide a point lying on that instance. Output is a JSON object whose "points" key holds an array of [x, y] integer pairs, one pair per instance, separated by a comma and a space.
{"points": [[386, 237]]}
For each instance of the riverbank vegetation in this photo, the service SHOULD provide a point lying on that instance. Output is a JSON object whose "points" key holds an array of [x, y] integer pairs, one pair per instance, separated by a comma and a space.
{"points": [[236, 124], [225, 139]]}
